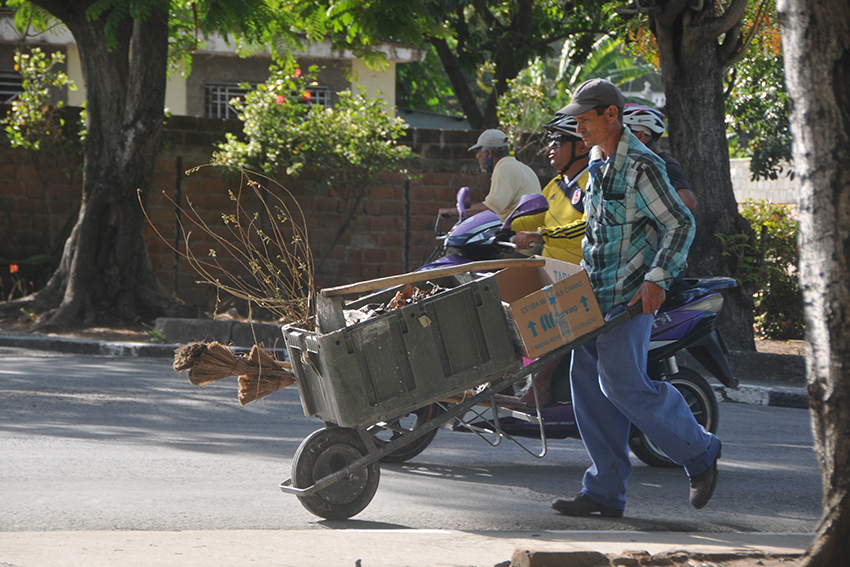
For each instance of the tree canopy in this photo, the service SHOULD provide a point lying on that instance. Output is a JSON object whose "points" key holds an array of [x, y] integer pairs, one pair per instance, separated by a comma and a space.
{"points": [[481, 44]]}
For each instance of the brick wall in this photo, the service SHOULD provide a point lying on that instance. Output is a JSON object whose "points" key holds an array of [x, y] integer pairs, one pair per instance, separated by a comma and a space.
{"points": [[393, 233]]}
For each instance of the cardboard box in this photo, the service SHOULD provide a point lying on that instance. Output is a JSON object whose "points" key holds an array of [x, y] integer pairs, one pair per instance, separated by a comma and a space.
{"points": [[547, 307]]}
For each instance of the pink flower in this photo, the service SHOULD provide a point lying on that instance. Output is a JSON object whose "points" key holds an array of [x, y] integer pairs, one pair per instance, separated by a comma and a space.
{"points": [[298, 72], [279, 99]]}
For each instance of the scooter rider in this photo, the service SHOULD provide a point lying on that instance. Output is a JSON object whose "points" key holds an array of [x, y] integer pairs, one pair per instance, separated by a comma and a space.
{"points": [[647, 124], [509, 178], [561, 228]]}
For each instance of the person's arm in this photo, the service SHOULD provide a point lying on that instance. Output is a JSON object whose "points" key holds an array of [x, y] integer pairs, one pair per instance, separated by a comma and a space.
{"points": [[564, 236], [526, 229], [657, 200], [679, 180], [567, 235], [688, 198], [449, 212]]}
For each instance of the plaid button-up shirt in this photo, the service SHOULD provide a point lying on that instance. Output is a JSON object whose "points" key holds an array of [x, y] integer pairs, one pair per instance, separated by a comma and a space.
{"points": [[637, 227]]}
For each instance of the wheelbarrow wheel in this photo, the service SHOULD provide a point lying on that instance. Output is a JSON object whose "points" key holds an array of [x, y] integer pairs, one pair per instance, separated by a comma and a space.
{"points": [[410, 421], [700, 398], [323, 453]]}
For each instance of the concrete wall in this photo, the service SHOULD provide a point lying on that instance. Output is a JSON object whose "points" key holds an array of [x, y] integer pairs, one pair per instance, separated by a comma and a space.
{"points": [[782, 190]]}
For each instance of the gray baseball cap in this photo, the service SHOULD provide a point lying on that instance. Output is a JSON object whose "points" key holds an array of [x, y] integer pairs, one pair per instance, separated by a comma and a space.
{"points": [[593, 93], [491, 139]]}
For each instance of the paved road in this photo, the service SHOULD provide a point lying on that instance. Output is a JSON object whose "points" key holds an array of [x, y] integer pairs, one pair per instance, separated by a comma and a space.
{"points": [[100, 443]]}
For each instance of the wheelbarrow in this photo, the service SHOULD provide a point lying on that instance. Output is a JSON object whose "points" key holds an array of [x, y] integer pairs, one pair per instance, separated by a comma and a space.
{"points": [[361, 380]]}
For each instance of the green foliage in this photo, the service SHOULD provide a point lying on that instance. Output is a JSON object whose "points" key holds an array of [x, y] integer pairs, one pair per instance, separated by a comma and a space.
{"points": [[770, 264], [757, 108], [757, 111], [545, 87], [33, 123], [482, 44], [524, 109], [425, 86], [346, 147]]}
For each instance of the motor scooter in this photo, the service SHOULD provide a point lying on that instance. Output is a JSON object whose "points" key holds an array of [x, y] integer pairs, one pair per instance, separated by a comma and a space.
{"points": [[686, 321], [482, 236]]}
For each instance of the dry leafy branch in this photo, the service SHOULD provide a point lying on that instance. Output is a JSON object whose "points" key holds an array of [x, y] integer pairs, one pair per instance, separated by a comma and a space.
{"points": [[262, 253]]}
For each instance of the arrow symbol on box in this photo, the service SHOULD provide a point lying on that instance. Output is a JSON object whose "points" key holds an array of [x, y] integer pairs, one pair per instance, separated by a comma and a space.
{"points": [[583, 301], [533, 326]]}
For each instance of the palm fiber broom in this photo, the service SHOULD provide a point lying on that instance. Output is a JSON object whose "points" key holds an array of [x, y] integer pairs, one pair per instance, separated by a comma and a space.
{"points": [[266, 375], [260, 374]]}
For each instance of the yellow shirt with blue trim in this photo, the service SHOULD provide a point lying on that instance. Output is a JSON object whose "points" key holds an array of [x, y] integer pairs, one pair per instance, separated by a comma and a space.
{"points": [[563, 225]]}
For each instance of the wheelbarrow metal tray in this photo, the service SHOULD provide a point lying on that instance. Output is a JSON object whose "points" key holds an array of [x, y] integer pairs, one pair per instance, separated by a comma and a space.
{"points": [[399, 361]]}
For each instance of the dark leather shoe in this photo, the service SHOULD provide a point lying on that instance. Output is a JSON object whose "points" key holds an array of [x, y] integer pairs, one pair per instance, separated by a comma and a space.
{"points": [[584, 505], [703, 484]]}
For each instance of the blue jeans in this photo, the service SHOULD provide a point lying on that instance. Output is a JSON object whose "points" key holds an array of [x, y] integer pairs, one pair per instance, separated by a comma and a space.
{"points": [[611, 390]]}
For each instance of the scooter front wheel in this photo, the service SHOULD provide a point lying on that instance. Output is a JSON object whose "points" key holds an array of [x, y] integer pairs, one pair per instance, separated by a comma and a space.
{"points": [[700, 398]]}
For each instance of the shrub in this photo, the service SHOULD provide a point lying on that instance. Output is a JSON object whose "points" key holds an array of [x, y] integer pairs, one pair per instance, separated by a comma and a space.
{"points": [[770, 263]]}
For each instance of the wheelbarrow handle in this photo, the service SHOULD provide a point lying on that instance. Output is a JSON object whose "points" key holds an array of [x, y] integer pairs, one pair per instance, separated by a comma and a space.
{"points": [[412, 277]]}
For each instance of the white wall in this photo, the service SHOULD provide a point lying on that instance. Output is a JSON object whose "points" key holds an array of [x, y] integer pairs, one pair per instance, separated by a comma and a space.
{"points": [[175, 92], [75, 73], [782, 190], [378, 83]]}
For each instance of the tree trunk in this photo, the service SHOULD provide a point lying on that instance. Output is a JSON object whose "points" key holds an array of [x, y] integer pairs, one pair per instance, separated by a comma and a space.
{"points": [[692, 73], [105, 274], [459, 84], [816, 46]]}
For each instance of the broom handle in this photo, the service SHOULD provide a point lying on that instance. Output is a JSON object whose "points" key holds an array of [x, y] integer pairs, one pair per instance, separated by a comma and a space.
{"points": [[411, 277]]}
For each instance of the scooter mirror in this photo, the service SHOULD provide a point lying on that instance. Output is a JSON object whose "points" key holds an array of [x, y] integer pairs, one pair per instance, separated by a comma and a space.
{"points": [[464, 200], [533, 204]]}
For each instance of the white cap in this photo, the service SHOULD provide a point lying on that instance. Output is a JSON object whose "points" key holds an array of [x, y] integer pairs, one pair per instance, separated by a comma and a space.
{"points": [[491, 139]]}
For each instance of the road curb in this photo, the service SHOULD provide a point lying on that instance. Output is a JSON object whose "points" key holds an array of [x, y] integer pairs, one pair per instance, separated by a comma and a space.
{"points": [[765, 396], [94, 348], [745, 394], [106, 348]]}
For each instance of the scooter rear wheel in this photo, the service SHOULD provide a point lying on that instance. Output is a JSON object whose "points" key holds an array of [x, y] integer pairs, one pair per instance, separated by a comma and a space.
{"points": [[703, 403], [411, 421]]}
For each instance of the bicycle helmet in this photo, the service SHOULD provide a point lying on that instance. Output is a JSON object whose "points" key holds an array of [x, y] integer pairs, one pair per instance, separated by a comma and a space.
{"points": [[563, 124], [649, 119], [564, 128]]}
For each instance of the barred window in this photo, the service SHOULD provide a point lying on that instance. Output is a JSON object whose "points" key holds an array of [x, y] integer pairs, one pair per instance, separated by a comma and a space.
{"points": [[320, 96], [11, 85], [217, 98]]}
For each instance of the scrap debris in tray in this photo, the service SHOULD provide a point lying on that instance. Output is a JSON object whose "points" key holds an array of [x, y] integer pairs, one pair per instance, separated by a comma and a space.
{"points": [[410, 295], [402, 298]]}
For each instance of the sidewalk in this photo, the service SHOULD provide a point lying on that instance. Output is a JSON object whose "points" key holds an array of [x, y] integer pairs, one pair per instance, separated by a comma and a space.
{"points": [[382, 548]]}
